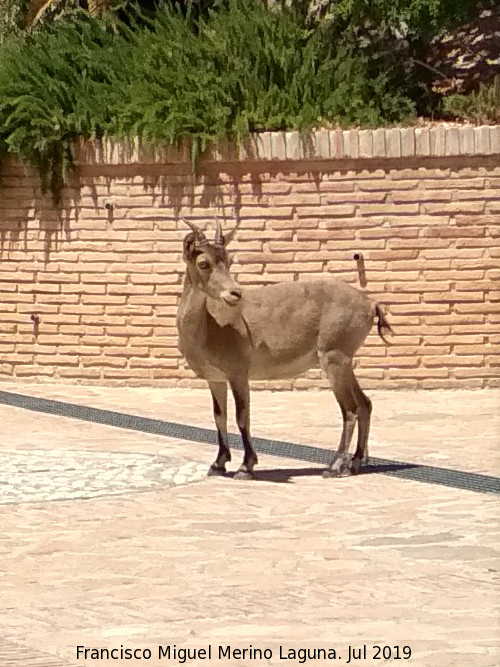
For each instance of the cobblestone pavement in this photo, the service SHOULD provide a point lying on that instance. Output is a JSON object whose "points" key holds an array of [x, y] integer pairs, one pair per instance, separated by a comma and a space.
{"points": [[40, 475], [134, 555]]}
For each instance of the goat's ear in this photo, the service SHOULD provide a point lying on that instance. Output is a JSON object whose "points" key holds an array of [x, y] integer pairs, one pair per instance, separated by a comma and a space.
{"points": [[189, 246]]}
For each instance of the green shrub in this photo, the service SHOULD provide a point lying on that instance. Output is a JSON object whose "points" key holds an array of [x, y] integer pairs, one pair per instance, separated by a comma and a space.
{"points": [[413, 17], [246, 68], [12, 14], [482, 106], [53, 88]]}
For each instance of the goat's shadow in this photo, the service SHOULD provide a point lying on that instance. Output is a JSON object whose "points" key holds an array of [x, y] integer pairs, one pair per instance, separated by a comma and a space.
{"points": [[287, 475]]}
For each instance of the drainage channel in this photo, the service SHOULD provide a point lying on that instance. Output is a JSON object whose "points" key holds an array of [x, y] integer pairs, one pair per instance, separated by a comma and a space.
{"points": [[421, 473]]}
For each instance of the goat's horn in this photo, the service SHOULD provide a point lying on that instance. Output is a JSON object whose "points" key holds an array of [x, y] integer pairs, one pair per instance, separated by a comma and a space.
{"points": [[219, 238], [196, 230], [230, 235]]}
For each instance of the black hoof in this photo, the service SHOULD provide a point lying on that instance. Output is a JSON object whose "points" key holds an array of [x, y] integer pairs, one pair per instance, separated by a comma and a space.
{"points": [[216, 471], [355, 466], [244, 474]]}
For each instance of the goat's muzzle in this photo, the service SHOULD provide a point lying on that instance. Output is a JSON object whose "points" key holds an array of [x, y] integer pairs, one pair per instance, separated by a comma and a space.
{"points": [[232, 297]]}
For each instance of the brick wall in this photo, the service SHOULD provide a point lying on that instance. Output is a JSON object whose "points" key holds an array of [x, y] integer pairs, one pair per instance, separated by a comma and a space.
{"points": [[102, 284]]}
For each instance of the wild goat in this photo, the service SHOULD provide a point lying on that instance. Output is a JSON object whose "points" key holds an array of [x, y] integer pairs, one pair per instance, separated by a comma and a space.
{"points": [[231, 335]]}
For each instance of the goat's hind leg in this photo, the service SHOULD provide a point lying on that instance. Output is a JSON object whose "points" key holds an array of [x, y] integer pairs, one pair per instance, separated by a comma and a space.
{"points": [[338, 369], [364, 416], [219, 400]]}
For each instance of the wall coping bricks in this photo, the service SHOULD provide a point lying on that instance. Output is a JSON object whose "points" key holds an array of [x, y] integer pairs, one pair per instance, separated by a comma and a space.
{"points": [[440, 140]]}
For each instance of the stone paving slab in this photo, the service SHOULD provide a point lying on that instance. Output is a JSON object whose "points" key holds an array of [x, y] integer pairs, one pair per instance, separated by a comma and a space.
{"points": [[290, 560]]}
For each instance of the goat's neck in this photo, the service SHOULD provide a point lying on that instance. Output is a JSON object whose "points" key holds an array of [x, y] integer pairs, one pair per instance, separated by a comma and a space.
{"points": [[193, 311]]}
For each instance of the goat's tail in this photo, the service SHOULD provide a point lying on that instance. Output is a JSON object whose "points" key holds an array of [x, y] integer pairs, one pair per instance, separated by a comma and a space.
{"points": [[382, 323]]}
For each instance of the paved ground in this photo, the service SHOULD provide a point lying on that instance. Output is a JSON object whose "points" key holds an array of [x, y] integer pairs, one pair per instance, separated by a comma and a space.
{"points": [[113, 538]]}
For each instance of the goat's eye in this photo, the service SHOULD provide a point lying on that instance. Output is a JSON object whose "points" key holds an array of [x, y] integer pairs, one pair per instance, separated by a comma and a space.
{"points": [[203, 264]]}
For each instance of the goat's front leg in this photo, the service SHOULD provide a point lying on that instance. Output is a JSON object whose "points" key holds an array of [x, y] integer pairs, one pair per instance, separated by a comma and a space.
{"points": [[241, 393], [219, 400]]}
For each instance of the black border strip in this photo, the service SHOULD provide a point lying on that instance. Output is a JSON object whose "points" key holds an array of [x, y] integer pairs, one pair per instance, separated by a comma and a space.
{"points": [[422, 473]]}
